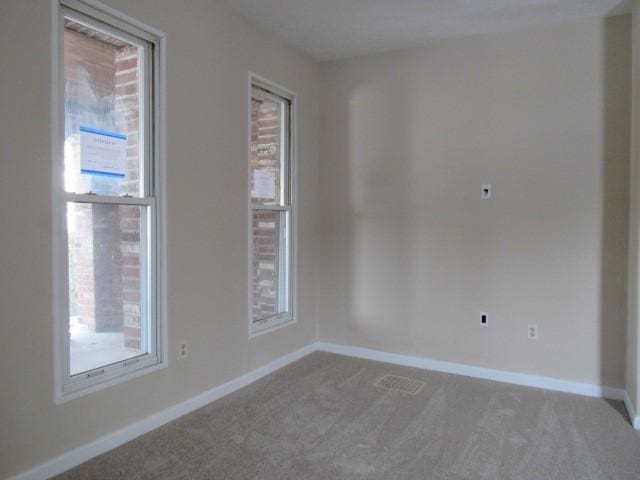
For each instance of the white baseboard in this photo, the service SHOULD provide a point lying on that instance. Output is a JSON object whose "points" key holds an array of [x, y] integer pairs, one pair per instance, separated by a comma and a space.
{"points": [[112, 440], [635, 418], [504, 376]]}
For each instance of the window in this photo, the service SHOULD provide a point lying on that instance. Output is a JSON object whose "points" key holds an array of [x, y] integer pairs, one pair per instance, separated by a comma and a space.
{"points": [[272, 216], [107, 201]]}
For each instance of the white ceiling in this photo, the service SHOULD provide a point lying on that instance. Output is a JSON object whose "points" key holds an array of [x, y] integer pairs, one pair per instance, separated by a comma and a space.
{"points": [[333, 29]]}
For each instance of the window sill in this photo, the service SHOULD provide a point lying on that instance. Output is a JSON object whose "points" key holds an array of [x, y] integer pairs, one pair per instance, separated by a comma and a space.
{"points": [[270, 325], [63, 396]]}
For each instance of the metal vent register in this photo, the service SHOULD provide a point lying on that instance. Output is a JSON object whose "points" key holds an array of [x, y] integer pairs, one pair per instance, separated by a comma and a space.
{"points": [[399, 384]]}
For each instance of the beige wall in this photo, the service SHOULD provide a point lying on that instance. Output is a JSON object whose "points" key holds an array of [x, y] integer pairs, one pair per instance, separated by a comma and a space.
{"points": [[409, 253], [633, 368], [210, 51]]}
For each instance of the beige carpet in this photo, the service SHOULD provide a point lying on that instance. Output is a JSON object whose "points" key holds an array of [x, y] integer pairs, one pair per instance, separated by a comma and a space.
{"points": [[321, 418]]}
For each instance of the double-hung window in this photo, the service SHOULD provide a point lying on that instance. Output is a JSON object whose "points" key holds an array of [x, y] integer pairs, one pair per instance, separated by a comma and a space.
{"points": [[271, 216], [107, 203]]}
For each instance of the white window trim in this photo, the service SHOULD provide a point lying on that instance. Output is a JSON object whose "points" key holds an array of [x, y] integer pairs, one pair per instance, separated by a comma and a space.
{"points": [[275, 322], [64, 389]]}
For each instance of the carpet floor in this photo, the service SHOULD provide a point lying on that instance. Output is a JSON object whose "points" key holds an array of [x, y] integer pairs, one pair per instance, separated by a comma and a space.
{"points": [[322, 418]]}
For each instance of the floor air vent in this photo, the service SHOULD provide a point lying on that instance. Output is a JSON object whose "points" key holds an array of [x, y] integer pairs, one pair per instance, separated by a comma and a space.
{"points": [[399, 384]]}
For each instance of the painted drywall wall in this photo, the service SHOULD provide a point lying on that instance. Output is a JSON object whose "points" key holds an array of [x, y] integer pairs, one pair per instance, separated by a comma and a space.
{"points": [[633, 368], [409, 253], [210, 50]]}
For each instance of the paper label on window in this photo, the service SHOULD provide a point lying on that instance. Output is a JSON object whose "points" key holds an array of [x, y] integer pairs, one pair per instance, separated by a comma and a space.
{"points": [[103, 153], [264, 184]]}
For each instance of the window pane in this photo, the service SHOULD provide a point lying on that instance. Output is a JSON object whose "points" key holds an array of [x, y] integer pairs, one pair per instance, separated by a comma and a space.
{"points": [[268, 148], [106, 310], [102, 148], [270, 262]]}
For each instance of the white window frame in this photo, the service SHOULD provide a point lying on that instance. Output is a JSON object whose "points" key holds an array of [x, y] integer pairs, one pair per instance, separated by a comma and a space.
{"points": [[288, 317], [115, 23]]}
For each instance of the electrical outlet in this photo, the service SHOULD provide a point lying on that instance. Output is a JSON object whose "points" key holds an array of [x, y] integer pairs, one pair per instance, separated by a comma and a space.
{"points": [[532, 332], [484, 319], [182, 349]]}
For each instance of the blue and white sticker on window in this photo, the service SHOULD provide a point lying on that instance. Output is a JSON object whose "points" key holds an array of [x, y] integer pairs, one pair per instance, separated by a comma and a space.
{"points": [[103, 153]]}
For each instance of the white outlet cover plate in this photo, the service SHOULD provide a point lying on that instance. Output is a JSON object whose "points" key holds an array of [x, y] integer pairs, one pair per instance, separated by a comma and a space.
{"points": [[183, 349]]}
